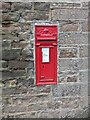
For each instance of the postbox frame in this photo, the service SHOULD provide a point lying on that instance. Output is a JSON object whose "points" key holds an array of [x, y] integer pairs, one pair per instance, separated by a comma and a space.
{"points": [[47, 24]]}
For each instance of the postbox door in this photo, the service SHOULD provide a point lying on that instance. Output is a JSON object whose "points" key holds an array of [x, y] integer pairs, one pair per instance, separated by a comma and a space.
{"points": [[46, 65]]}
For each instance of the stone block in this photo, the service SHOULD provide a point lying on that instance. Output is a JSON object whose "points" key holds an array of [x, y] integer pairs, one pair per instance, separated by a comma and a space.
{"points": [[73, 38], [17, 44], [67, 26], [14, 108], [42, 6], [14, 91], [85, 25], [27, 98], [68, 64], [24, 36], [69, 38], [59, 5], [12, 29], [0, 5], [37, 106], [10, 16], [83, 76], [32, 114], [5, 31], [68, 52], [65, 102], [84, 92], [73, 78], [10, 37], [26, 26], [43, 89], [6, 74], [18, 64], [48, 114], [4, 64], [83, 64], [27, 52], [75, 13], [6, 43], [83, 51], [85, 5], [70, 113], [11, 54], [21, 6], [83, 39], [68, 76], [71, 102], [6, 24], [25, 81], [66, 90], [53, 105], [36, 15], [6, 6], [39, 91]]}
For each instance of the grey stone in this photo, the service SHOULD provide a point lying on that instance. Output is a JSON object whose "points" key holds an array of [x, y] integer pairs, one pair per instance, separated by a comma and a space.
{"points": [[37, 106], [14, 108], [70, 76], [85, 25], [6, 6], [18, 64], [11, 54], [48, 114], [10, 37], [72, 64], [73, 38], [36, 15], [4, 64], [14, 91], [68, 52], [69, 25], [11, 74], [83, 64], [43, 6], [6, 43], [83, 51], [85, 5], [21, 6], [10, 16], [59, 14], [68, 102], [67, 90], [64, 5], [32, 114]]}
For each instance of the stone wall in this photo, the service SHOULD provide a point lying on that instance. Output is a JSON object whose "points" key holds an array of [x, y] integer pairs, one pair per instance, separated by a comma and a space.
{"points": [[21, 97]]}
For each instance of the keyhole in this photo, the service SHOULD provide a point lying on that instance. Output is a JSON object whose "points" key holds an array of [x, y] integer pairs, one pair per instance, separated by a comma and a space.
{"points": [[43, 66]]}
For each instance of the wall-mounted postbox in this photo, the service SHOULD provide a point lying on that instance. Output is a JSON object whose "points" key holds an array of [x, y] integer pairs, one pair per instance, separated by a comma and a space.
{"points": [[46, 54]]}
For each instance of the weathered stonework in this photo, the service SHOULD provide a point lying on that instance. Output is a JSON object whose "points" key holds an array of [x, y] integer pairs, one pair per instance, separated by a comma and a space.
{"points": [[21, 97]]}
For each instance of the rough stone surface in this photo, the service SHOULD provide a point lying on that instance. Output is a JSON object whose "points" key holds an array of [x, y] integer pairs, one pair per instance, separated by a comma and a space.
{"points": [[74, 13], [69, 26], [68, 52], [43, 6], [83, 51], [21, 98]]}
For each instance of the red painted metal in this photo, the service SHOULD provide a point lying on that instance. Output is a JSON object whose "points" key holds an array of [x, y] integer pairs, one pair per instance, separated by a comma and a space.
{"points": [[46, 54]]}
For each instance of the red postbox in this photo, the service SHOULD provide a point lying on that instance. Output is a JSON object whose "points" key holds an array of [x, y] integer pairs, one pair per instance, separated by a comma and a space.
{"points": [[46, 54]]}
